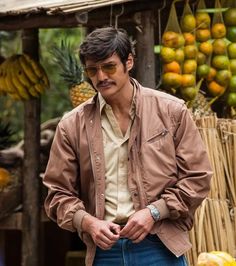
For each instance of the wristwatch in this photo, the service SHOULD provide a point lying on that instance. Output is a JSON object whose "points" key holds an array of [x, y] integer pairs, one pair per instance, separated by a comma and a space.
{"points": [[154, 212]]}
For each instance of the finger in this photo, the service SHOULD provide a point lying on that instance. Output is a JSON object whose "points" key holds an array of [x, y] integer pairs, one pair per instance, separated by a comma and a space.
{"points": [[139, 238]]}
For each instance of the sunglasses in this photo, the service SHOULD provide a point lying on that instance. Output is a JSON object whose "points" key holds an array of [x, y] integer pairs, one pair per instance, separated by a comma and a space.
{"points": [[108, 68]]}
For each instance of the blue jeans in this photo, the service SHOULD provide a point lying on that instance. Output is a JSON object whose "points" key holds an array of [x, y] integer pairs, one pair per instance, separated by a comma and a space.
{"points": [[149, 252]]}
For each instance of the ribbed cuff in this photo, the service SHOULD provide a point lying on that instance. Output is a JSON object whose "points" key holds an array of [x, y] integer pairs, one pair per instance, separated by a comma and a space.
{"points": [[77, 220]]}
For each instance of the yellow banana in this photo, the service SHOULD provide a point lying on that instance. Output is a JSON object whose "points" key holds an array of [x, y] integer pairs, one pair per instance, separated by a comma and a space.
{"points": [[11, 89], [27, 68], [3, 86], [33, 91], [39, 87], [15, 96], [21, 74], [38, 70], [20, 87]]}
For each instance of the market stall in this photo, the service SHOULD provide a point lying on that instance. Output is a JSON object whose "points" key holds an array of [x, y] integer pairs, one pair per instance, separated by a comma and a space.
{"points": [[190, 55]]}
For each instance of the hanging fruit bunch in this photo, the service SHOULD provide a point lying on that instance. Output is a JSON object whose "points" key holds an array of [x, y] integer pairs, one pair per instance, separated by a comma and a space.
{"points": [[72, 73], [172, 54], [188, 89], [230, 22], [218, 82], [203, 38], [22, 78]]}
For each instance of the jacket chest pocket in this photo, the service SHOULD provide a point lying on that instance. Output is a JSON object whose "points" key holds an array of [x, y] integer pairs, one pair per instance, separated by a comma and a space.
{"points": [[157, 139]]}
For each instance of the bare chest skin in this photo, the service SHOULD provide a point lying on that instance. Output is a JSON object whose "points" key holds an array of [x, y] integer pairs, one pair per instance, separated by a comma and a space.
{"points": [[123, 120]]}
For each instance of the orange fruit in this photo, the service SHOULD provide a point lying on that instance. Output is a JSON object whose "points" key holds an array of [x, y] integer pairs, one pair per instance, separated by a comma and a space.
{"points": [[219, 47], [220, 62], [211, 74], [172, 67], [179, 55], [203, 35], [171, 80], [189, 38], [223, 77], [188, 80], [189, 66], [232, 84], [218, 30], [167, 54], [190, 51], [215, 89], [232, 66], [188, 93], [231, 33], [203, 71], [231, 49], [5, 177], [172, 39], [231, 99], [206, 48], [201, 58], [203, 20], [230, 16], [188, 23]]}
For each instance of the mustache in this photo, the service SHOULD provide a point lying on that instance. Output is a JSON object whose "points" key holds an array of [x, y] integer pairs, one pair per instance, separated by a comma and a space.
{"points": [[105, 83]]}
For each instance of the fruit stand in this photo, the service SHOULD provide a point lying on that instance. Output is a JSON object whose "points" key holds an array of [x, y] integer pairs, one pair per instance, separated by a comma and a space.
{"points": [[194, 59]]}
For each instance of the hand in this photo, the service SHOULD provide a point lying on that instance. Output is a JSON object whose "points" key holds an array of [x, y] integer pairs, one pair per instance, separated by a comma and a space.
{"points": [[138, 226], [103, 233]]}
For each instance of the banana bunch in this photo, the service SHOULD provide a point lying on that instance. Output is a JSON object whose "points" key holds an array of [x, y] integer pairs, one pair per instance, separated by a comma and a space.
{"points": [[22, 78]]}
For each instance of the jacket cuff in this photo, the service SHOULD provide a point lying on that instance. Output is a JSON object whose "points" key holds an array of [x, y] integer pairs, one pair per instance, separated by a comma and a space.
{"points": [[162, 208], [77, 220]]}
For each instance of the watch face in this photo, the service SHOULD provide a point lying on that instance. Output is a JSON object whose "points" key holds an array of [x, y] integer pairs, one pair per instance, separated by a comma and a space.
{"points": [[154, 212]]}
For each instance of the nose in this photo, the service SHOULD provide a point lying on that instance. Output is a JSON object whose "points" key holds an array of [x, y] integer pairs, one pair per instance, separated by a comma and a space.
{"points": [[100, 74]]}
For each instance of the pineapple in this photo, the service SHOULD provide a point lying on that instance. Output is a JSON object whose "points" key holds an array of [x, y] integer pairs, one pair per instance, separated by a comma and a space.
{"points": [[72, 73], [200, 106]]}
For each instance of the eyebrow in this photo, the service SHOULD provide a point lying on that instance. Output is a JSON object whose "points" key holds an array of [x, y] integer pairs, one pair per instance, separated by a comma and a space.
{"points": [[105, 63]]}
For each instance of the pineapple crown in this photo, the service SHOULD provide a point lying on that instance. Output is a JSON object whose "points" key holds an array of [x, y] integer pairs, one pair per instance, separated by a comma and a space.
{"points": [[70, 68], [6, 134]]}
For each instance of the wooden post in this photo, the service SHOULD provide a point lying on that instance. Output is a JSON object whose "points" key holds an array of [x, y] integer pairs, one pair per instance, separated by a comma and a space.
{"points": [[31, 182], [145, 64]]}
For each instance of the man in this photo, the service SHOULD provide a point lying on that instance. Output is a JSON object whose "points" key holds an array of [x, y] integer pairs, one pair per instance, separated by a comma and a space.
{"points": [[128, 168]]}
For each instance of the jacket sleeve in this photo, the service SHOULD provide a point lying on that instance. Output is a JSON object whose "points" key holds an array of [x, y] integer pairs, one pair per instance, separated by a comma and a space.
{"points": [[60, 178], [193, 170]]}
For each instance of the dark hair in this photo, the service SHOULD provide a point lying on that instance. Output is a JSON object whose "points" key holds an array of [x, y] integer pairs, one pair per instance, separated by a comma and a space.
{"points": [[103, 42]]}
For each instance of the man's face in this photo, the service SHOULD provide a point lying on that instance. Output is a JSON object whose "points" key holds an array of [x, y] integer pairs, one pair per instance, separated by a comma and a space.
{"points": [[109, 76]]}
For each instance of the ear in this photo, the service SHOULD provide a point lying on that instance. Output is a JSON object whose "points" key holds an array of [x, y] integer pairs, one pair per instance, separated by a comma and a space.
{"points": [[130, 62]]}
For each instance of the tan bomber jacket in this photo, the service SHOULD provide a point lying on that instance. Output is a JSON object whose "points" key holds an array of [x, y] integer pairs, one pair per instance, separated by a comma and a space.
{"points": [[167, 166]]}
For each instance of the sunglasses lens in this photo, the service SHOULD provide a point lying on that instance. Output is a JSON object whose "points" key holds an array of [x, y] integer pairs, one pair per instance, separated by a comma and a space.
{"points": [[90, 71], [106, 68], [109, 68]]}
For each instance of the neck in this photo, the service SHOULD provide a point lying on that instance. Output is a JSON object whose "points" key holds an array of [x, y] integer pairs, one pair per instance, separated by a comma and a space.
{"points": [[122, 101]]}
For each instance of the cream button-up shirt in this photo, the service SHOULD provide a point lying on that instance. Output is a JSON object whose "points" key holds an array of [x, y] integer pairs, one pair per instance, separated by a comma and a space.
{"points": [[118, 203]]}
